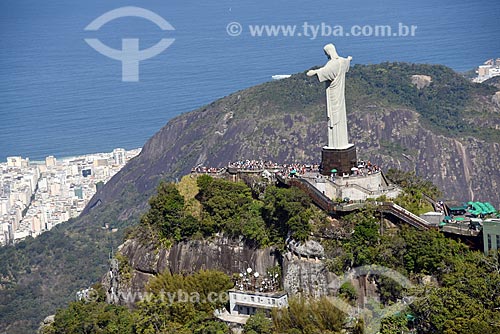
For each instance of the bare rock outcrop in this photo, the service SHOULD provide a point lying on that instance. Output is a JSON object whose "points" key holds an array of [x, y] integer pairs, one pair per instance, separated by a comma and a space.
{"points": [[219, 253], [421, 81], [308, 277], [306, 274], [44, 325], [496, 98], [309, 249]]}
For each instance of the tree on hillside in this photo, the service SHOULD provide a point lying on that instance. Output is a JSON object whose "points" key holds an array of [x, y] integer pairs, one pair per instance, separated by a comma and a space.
{"points": [[308, 316], [167, 214], [288, 211], [258, 324]]}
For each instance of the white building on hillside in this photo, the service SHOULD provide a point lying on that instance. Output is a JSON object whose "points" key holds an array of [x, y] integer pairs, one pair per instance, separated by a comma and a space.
{"points": [[248, 303]]}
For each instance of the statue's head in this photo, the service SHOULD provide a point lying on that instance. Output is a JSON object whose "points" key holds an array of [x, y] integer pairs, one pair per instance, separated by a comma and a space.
{"points": [[330, 51]]}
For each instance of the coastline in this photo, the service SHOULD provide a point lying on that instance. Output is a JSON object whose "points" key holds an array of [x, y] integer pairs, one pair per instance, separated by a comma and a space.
{"points": [[66, 158]]}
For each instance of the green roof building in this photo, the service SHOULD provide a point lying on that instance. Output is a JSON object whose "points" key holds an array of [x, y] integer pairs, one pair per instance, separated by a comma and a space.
{"points": [[491, 235]]}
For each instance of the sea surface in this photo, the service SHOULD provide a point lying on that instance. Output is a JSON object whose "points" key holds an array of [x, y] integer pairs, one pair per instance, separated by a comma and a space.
{"points": [[58, 96]]}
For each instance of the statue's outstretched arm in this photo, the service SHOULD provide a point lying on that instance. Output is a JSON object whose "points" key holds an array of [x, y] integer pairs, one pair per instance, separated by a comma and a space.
{"points": [[310, 73]]}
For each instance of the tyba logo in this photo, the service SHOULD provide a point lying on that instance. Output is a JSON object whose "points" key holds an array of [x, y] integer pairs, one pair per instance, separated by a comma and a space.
{"points": [[129, 55]]}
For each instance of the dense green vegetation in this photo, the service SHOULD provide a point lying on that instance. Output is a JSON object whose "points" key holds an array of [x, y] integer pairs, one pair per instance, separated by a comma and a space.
{"points": [[171, 311], [92, 317], [445, 105], [186, 304], [259, 323], [456, 290], [37, 276], [175, 304], [463, 292], [309, 316], [167, 214], [230, 208]]}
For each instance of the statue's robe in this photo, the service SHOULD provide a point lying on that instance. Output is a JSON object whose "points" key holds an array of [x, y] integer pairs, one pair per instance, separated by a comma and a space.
{"points": [[334, 74]]}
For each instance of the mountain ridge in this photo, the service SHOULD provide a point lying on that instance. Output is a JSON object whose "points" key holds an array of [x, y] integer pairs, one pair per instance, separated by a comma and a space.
{"points": [[297, 104]]}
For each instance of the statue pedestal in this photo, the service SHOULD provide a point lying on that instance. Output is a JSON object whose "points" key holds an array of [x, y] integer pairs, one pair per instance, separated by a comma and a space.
{"points": [[340, 159]]}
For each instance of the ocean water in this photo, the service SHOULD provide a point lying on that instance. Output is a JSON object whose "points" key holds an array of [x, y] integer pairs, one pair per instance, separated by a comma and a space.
{"points": [[60, 97]]}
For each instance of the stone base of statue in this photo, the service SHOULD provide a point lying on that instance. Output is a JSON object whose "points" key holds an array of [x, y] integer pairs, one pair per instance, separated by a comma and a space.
{"points": [[340, 159]]}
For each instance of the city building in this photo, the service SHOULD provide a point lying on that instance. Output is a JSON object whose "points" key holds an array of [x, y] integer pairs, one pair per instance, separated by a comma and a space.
{"points": [[50, 161], [489, 69], [36, 196], [17, 162], [491, 235], [248, 302], [119, 156]]}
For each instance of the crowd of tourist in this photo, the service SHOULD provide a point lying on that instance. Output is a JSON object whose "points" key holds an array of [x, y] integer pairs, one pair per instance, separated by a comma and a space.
{"points": [[253, 165], [439, 206], [207, 170], [365, 168], [284, 170], [293, 170]]}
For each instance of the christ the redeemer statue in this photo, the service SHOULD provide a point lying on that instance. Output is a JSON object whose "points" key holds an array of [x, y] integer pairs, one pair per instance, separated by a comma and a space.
{"points": [[334, 73]]}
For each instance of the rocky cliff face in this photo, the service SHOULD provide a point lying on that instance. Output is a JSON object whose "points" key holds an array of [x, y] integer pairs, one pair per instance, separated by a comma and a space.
{"points": [[465, 169], [302, 266], [307, 276], [227, 255]]}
